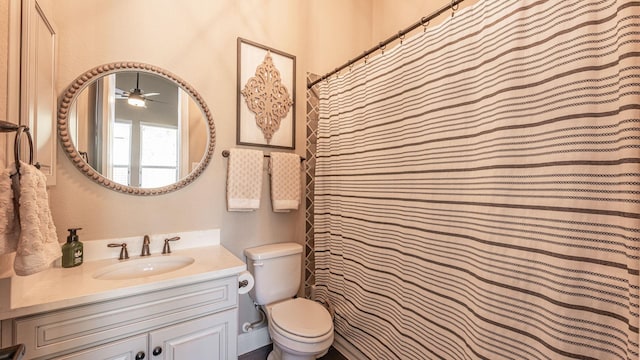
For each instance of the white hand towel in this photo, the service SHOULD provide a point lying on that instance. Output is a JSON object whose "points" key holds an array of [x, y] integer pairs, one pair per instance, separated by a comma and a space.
{"points": [[285, 181], [244, 179], [38, 244], [9, 226]]}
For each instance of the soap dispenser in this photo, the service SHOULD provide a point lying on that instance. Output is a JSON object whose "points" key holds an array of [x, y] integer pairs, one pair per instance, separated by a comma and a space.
{"points": [[72, 250]]}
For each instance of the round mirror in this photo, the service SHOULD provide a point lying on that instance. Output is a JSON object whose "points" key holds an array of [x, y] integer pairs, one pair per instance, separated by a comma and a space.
{"points": [[136, 128]]}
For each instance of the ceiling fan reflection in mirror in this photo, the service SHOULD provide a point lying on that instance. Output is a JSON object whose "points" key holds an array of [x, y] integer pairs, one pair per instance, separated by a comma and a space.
{"points": [[136, 97]]}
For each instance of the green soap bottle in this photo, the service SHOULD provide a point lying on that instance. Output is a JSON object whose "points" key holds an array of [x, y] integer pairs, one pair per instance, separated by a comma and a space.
{"points": [[72, 250]]}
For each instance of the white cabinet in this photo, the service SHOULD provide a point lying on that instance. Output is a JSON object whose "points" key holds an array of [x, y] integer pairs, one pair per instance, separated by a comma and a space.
{"points": [[195, 321], [209, 338], [28, 68], [126, 349], [206, 338], [37, 94]]}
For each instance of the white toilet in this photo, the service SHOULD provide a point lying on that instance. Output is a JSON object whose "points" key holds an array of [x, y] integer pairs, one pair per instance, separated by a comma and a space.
{"points": [[301, 329]]}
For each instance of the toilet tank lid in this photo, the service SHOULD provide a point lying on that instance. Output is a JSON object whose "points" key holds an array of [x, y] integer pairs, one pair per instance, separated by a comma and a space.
{"points": [[272, 250]]}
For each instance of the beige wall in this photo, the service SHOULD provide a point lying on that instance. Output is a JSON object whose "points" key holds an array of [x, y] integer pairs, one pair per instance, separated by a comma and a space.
{"points": [[4, 48], [342, 30], [196, 40], [338, 30], [9, 73], [201, 48], [389, 18]]}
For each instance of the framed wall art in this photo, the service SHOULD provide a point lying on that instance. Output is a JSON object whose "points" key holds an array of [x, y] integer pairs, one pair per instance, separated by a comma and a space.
{"points": [[266, 96]]}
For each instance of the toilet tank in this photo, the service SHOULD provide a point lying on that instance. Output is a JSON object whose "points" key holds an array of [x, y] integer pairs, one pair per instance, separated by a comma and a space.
{"points": [[276, 269]]}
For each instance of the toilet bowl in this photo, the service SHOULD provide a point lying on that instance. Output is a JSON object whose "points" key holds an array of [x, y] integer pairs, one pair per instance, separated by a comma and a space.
{"points": [[300, 329]]}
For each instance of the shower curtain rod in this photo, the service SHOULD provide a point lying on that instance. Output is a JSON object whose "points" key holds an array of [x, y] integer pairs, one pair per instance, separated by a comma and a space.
{"points": [[424, 21]]}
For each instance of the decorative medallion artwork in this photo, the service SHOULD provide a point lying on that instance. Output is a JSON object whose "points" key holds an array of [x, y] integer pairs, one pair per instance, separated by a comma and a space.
{"points": [[266, 82], [267, 97]]}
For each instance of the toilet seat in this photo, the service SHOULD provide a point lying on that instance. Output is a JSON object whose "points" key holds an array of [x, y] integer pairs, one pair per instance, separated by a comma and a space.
{"points": [[301, 320]]}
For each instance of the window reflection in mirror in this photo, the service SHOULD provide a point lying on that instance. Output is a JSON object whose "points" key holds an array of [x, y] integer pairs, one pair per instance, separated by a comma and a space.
{"points": [[121, 155], [158, 155]]}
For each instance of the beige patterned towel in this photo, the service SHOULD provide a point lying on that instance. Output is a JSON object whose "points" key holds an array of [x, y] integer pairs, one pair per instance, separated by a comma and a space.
{"points": [[285, 181], [244, 179], [38, 244]]}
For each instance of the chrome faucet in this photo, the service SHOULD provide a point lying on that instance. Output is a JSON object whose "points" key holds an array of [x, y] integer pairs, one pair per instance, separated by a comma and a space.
{"points": [[145, 246]]}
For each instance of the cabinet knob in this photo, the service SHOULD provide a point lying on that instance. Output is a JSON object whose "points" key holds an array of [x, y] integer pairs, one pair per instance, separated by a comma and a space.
{"points": [[157, 351], [140, 355]]}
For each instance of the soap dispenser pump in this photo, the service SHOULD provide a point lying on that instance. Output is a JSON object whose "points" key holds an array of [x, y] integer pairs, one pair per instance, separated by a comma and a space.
{"points": [[72, 250]]}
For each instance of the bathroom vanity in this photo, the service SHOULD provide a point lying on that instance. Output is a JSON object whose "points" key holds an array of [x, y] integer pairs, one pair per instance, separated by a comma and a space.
{"points": [[182, 313]]}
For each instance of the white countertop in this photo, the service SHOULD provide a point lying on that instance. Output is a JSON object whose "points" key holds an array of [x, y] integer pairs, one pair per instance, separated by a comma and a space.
{"points": [[58, 287]]}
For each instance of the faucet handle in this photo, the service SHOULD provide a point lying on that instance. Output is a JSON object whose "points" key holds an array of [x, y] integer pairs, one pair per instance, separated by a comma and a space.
{"points": [[124, 254], [166, 249], [145, 246]]}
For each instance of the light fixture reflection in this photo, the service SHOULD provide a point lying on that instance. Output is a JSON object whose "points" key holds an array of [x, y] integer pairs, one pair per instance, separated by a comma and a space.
{"points": [[136, 99]]}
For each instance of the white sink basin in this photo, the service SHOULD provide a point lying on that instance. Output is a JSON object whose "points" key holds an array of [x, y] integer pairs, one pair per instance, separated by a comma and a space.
{"points": [[131, 269]]}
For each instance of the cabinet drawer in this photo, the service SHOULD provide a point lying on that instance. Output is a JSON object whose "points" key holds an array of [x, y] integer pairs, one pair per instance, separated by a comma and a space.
{"points": [[98, 323]]}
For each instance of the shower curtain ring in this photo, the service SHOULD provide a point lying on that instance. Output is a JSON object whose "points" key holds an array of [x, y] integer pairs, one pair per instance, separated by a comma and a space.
{"points": [[454, 7], [424, 22]]}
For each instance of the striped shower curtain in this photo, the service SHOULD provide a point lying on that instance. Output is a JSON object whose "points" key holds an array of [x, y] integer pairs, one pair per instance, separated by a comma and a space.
{"points": [[477, 187]]}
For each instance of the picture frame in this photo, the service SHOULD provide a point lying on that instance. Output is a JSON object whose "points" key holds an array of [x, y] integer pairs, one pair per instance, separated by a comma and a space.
{"points": [[255, 125]]}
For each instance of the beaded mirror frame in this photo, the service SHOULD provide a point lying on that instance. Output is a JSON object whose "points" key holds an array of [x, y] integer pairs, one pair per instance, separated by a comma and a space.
{"points": [[68, 98]]}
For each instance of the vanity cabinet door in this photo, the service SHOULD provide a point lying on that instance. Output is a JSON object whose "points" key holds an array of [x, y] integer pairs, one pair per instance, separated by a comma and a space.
{"points": [[208, 338], [126, 349], [38, 98]]}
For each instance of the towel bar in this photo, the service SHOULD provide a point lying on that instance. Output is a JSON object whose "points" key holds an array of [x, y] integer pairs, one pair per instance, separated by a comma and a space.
{"points": [[225, 153]]}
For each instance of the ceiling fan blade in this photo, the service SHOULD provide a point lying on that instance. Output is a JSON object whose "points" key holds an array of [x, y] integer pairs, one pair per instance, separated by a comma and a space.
{"points": [[157, 101], [152, 94]]}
